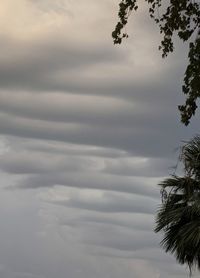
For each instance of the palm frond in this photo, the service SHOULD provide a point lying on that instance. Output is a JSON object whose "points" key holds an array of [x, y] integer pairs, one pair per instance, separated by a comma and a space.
{"points": [[191, 156], [178, 217]]}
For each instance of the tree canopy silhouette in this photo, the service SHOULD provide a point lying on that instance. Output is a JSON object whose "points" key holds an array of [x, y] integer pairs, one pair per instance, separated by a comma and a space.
{"points": [[181, 17]]}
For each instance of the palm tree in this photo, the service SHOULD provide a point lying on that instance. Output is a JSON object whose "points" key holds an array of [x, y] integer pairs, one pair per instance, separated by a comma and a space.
{"points": [[179, 214]]}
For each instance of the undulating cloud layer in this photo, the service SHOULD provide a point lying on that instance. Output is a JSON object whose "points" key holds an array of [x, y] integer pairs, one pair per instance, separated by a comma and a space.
{"points": [[88, 130]]}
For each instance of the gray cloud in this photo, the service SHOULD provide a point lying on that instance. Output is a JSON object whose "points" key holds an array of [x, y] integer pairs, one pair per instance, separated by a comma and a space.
{"points": [[136, 221], [113, 203], [22, 163], [129, 242], [133, 185], [62, 148], [94, 128], [133, 139], [33, 66]]}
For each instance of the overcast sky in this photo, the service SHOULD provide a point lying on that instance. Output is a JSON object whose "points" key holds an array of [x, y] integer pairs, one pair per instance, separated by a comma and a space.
{"points": [[88, 130]]}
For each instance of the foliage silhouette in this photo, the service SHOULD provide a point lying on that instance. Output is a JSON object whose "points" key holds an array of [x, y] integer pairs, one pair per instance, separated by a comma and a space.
{"points": [[179, 214], [181, 17]]}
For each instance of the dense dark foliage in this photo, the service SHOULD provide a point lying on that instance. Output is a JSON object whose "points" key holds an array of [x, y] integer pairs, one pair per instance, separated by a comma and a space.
{"points": [[176, 16], [179, 215]]}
